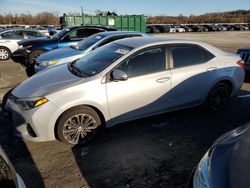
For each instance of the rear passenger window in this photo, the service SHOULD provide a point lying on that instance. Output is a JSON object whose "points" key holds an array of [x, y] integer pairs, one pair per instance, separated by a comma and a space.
{"points": [[32, 34], [186, 55], [12, 35], [146, 62]]}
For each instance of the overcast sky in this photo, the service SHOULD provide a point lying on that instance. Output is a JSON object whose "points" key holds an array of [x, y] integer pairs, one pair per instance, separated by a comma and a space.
{"points": [[147, 7]]}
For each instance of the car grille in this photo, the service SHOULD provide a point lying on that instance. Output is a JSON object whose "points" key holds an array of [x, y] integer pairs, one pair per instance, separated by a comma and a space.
{"points": [[245, 57], [13, 98]]}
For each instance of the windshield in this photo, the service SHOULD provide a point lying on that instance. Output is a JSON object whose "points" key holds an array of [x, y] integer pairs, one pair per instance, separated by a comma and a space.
{"points": [[60, 34], [86, 43], [99, 59]]}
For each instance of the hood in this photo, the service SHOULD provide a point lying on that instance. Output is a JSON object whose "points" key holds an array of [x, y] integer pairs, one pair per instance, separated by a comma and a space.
{"points": [[59, 54], [230, 159], [46, 82], [35, 41]]}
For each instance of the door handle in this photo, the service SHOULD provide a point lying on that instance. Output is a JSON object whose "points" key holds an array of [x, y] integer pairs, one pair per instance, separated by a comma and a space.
{"points": [[163, 80], [211, 68]]}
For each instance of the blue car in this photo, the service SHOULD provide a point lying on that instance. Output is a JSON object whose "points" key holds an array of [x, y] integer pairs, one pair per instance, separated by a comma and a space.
{"points": [[71, 53], [32, 48], [226, 163]]}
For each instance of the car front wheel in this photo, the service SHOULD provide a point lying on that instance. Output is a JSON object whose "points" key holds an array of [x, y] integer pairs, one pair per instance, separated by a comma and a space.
{"points": [[4, 54], [34, 55], [219, 97], [78, 125]]}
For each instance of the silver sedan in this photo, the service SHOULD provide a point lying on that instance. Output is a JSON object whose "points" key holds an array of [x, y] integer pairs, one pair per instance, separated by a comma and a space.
{"points": [[124, 80]]}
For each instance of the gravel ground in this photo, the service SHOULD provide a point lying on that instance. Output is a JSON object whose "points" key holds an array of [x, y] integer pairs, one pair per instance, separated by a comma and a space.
{"points": [[159, 151]]}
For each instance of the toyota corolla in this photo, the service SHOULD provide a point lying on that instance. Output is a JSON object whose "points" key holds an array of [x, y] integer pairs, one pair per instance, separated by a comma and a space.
{"points": [[121, 81]]}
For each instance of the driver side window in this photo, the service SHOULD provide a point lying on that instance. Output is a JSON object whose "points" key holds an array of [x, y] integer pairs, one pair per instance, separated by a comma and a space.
{"points": [[146, 62], [75, 34]]}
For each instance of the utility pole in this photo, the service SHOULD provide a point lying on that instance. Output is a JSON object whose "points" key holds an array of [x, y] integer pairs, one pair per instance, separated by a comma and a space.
{"points": [[82, 15], [82, 10]]}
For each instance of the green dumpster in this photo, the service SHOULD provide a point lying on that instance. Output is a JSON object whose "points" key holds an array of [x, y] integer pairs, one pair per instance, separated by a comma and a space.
{"points": [[121, 23]]}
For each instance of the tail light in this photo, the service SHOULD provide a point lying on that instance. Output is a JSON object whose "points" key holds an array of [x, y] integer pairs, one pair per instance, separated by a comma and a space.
{"points": [[240, 63]]}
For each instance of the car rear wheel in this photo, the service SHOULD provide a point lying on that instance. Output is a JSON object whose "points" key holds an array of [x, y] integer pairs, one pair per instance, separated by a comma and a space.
{"points": [[219, 97], [4, 53], [34, 55], [78, 125]]}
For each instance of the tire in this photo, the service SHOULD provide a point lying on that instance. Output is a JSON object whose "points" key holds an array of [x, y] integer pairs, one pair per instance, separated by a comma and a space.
{"points": [[71, 126], [218, 97], [5, 54], [4, 101], [34, 55]]}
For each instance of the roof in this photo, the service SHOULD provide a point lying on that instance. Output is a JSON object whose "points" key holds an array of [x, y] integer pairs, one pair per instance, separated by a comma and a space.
{"points": [[136, 42], [111, 33]]}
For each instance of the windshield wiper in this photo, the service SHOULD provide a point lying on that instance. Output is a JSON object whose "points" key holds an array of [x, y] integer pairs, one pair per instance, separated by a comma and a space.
{"points": [[74, 47], [73, 69]]}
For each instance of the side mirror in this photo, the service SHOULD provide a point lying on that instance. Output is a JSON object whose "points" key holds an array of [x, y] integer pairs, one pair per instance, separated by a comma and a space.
{"points": [[119, 75]]}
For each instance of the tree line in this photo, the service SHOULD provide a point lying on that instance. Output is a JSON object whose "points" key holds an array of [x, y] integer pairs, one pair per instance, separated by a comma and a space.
{"points": [[52, 18], [43, 18], [238, 16]]}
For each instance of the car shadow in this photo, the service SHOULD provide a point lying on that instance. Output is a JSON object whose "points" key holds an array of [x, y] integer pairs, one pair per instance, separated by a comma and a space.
{"points": [[19, 154], [158, 151], [30, 70]]}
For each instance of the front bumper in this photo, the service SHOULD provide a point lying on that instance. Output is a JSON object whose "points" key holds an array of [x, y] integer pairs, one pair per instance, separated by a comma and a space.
{"points": [[35, 124]]}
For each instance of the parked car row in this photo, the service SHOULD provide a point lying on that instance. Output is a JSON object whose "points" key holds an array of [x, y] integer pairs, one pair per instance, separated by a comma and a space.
{"points": [[168, 28], [33, 48], [84, 47]]}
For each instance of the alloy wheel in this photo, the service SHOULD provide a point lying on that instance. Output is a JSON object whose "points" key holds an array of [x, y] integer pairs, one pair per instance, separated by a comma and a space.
{"points": [[79, 128]]}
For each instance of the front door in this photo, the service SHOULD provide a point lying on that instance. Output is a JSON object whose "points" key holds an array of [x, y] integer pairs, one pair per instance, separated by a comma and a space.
{"points": [[146, 91]]}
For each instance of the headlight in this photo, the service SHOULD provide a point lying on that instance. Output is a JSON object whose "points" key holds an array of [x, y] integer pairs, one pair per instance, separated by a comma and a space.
{"points": [[47, 63], [27, 104], [201, 175], [27, 47]]}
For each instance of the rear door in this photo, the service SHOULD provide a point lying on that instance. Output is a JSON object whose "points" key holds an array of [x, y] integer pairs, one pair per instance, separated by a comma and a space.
{"points": [[10, 39], [191, 74], [146, 91]]}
